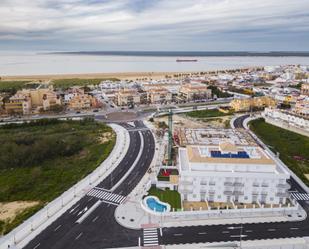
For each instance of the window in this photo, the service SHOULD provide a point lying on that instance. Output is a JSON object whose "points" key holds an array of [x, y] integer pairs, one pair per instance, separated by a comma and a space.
{"points": [[246, 197]]}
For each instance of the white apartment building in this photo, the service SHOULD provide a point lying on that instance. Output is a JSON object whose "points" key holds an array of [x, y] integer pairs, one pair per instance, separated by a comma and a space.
{"points": [[226, 173], [287, 120]]}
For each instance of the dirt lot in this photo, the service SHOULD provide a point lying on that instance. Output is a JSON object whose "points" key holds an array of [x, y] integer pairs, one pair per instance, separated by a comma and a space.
{"points": [[9, 210], [182, 121]]}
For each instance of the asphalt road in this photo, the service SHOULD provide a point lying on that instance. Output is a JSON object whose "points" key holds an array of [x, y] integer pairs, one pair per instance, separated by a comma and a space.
{"points": [[100, 229]]}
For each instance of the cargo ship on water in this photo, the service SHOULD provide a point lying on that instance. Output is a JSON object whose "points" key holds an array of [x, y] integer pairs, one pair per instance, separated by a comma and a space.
{"points": [[186, 60]]}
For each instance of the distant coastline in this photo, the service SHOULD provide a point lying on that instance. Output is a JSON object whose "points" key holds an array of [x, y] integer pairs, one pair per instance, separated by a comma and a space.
{"points": [[188, 53]]}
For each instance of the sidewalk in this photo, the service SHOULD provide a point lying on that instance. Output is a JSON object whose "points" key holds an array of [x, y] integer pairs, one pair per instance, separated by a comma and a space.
{"points": [[131, 215]]}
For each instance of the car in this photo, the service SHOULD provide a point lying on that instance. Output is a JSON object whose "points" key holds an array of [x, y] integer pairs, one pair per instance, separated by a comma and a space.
{"points": [[111, 106], [78, 112], [95, 110]]}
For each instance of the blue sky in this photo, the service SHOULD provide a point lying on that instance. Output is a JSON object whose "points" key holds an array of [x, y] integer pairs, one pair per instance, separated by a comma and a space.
{"points": [[208, 25]]}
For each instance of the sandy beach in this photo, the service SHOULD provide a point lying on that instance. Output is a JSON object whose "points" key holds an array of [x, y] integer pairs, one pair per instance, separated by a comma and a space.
{"points": [[121, 76]]}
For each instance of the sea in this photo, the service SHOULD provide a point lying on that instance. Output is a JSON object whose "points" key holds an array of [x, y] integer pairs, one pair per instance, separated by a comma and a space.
{"points": [[46, 62]]}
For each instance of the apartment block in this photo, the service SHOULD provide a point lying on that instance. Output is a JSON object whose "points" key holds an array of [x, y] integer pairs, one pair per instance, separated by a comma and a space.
{"points": [[125, 97], [230, 173], [191, 92], [251, 103]]}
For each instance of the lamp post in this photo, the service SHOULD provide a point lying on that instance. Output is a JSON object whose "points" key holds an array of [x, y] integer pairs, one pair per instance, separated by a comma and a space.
{"points": [[240, 233]]}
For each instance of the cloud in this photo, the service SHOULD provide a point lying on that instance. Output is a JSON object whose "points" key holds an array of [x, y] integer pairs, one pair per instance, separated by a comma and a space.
{"points": [[152, 24]]}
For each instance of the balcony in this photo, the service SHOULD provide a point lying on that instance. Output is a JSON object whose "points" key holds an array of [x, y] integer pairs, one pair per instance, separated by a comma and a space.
{"points": [[238, 184], [265, 185], [282, 194], [264, 193], [238, 193], [255, 193], [211, 192], [255, 185], [228, 184], [212, 183], [228, 192], [203, 183], [283, 185]]}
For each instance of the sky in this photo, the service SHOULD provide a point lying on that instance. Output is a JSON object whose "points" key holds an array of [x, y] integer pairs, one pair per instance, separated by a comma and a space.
{"points": [[154, 25]]}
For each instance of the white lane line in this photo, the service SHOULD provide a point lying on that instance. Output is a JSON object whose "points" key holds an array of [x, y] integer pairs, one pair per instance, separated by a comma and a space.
{"points": [[294, 228], [202, 233], [57, 228], [271, 230], [225, 232], [178, 234], [248, 231], [78, 236], [95, 218], [37, 246], [161, 232]]}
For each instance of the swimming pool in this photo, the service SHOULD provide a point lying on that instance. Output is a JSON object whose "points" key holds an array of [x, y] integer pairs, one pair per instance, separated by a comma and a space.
{"points": [[156, 205]]}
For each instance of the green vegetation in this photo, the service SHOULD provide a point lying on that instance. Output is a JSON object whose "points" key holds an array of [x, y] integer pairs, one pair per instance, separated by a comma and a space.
{"points": [[67, 83], [206, 113], [298, 86], [42, 159], [215, 91], [11, 87], [293, 148], [171, 197]]}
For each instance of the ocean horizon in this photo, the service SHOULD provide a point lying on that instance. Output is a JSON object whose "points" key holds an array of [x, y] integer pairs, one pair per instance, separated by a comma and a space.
{"points": [[16, 63]]}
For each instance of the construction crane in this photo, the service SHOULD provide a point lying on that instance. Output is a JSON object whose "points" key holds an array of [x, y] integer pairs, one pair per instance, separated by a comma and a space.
{"points": [[170, 137]]}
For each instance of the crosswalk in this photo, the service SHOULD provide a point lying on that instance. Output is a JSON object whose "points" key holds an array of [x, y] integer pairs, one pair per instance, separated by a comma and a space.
{"points": [[150, 237], [106, 196], [300, 196]]}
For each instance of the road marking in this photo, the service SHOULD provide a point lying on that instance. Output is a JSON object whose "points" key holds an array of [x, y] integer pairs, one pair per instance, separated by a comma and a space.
{"points": [[202, 233], [57, 228], [237, 236], [95, 219], [178, 234], [161, 232], [271, 230], [37, 246], [294, 228], [225, 232], [78, 236], [248, 231]]}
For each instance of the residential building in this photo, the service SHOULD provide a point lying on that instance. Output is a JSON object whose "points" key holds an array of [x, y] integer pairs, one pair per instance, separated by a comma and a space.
{"points": [[252, 103], [227, 172], [304, 89], [289, 120], [159, 95], [191, 92], [125, 97], [77, 99], [20, 103]]}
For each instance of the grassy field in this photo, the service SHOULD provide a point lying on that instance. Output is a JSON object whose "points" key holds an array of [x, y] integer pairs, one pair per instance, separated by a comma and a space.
{"points": [[206, 113], [42, 159], [171, 197], [293, 148], [67, 83]]}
